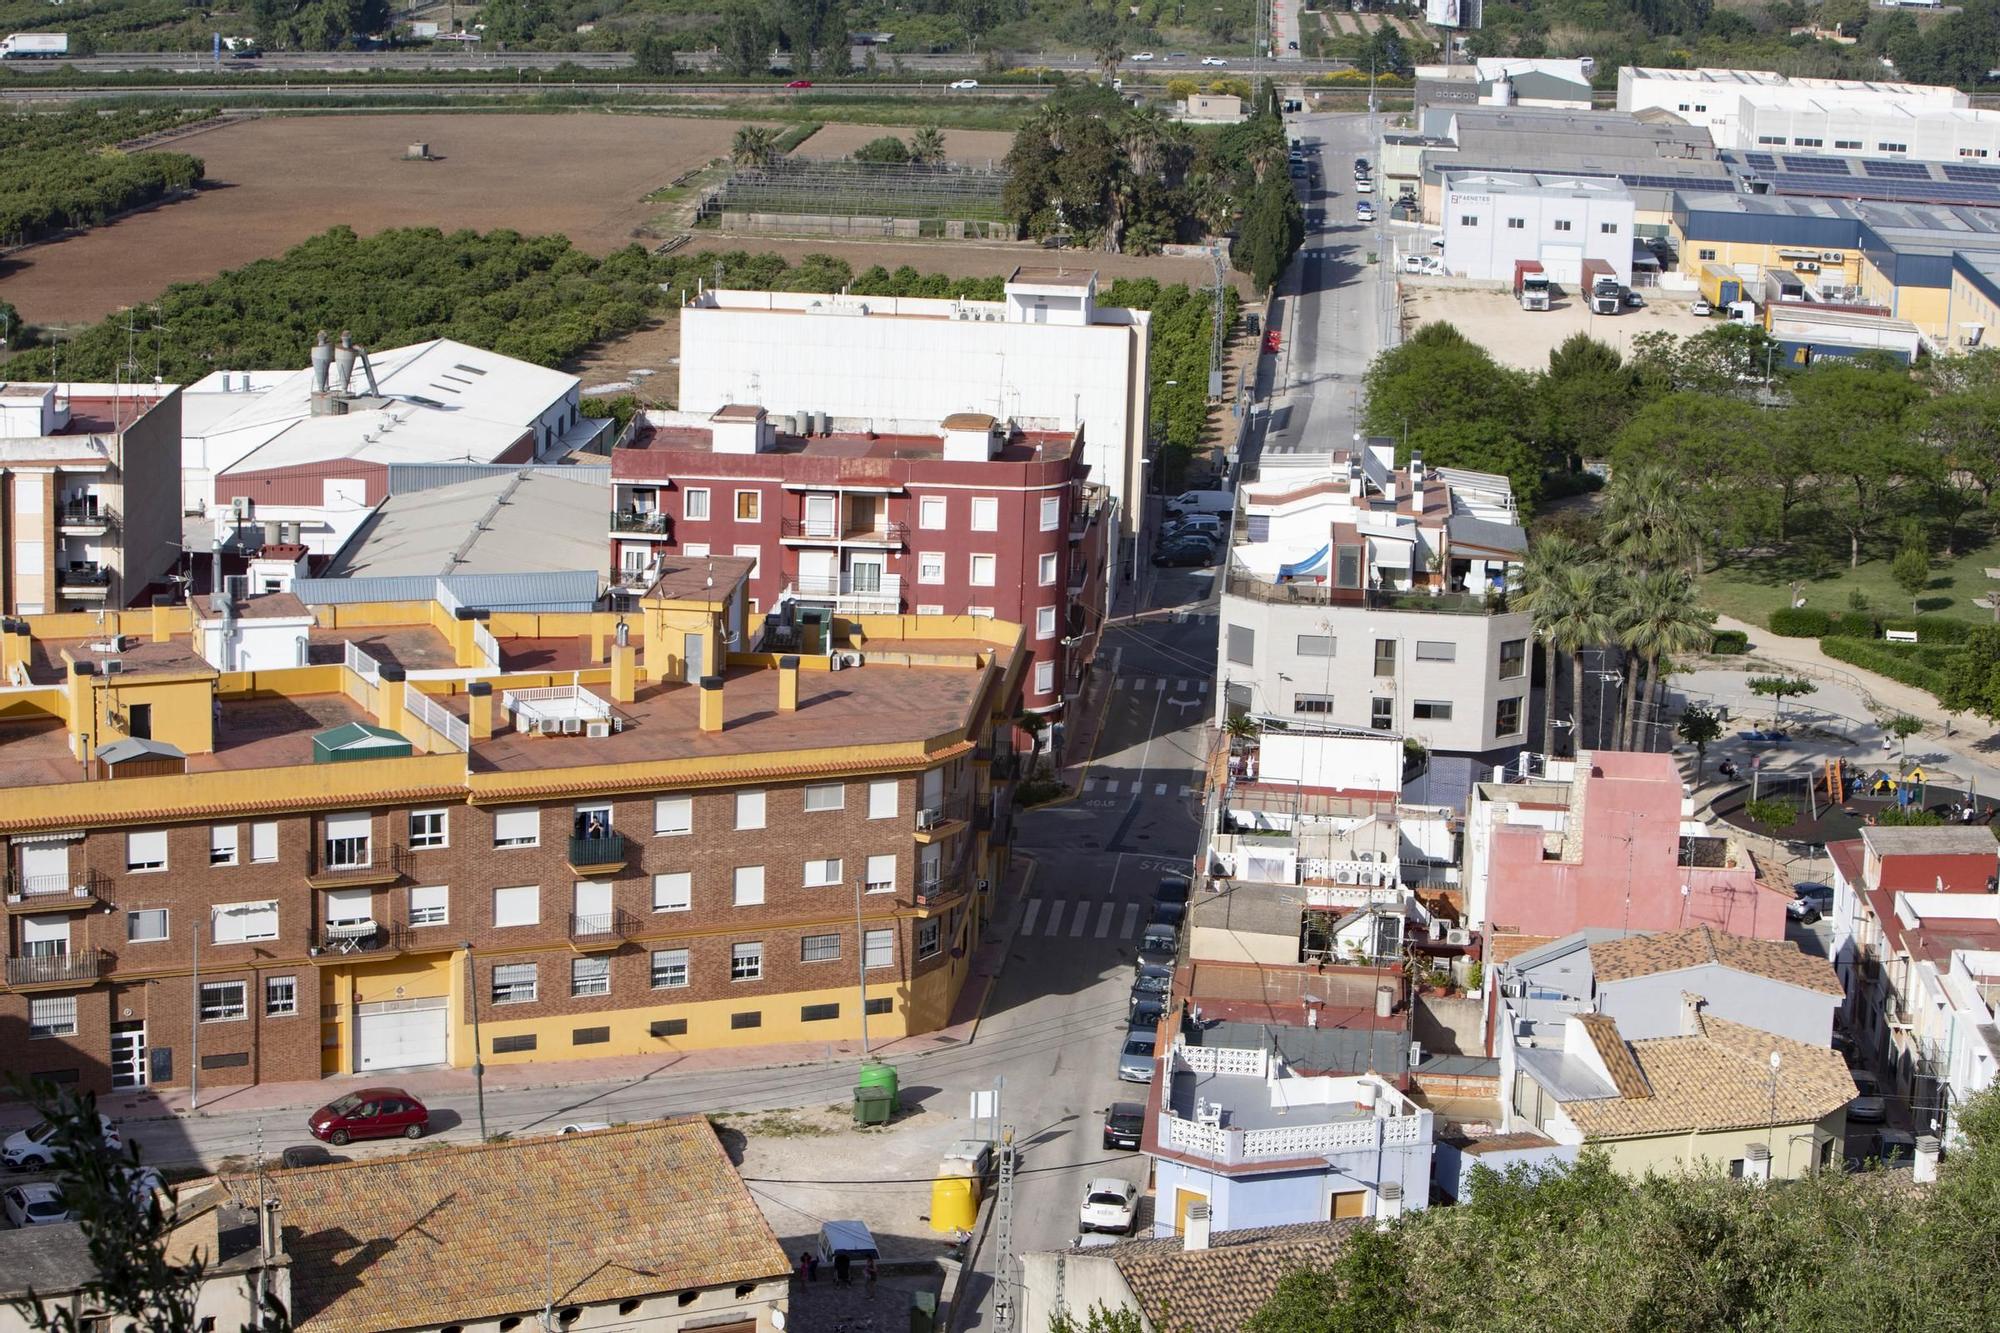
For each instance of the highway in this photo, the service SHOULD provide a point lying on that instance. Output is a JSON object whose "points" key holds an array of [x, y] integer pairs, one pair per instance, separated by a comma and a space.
{"points": [[306, 88]]}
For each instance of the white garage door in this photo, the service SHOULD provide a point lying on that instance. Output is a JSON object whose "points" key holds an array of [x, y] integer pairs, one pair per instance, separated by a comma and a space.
{"points": [[397, 1034], [1564, 263]]}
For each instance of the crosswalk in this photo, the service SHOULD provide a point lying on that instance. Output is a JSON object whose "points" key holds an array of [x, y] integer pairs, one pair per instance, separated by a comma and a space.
{"points": [[1076, 919], [1180, 686], [1134, 787]]}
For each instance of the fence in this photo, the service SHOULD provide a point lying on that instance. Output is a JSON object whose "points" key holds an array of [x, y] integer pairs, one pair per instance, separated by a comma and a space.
{"points": [[435, 716], [447, 599], [362, 665], [488, 646], [880, 191]]}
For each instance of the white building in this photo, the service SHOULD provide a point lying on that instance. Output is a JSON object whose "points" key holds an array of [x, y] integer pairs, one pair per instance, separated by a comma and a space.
{"points": [[1047, 350], [1722, 101], [1492, 220], [1925, 134], [314, 447], [1370, 597]]}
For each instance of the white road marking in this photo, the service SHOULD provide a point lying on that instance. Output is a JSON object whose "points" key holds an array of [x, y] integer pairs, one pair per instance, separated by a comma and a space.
{"points": [[1082, 922], [1055, 918], [1104, 920], [1159, 789], [1180, 686], [1131, 921], [1201, 687], [1110, 788], [1028, 917], [1089, 785], [1186, 792]]}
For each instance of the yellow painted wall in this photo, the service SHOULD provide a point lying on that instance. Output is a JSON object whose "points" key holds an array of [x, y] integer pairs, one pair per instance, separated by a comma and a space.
{"points": [[408, 977], [1969, 305], [1792, 1148], [1696, 253]]}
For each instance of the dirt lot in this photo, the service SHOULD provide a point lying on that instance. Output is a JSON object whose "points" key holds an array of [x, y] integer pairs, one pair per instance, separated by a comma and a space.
{"points": [[1524, 339], [974, 147], [280, 180]]}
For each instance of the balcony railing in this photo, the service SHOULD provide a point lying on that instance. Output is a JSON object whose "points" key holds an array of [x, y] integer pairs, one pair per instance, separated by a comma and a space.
{"points": [[84, 576], [601, 930], [42, 893], [339, 939], [598, 849], [385, 865], [96, 517], [58, 969], [648, 521], [1242, 583], [882, 595], [828, 530]]}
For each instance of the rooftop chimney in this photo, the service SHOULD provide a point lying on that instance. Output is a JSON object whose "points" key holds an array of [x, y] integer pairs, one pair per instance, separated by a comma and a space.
{"points": [[711, 703], [624, 666], [788, 684], [479, 713], [1923, 1170], [389, 696], [1388, 1203], [1385, 1001], [1691, 1014], [1757, 1164], [162, 604], [1194, 1232]]}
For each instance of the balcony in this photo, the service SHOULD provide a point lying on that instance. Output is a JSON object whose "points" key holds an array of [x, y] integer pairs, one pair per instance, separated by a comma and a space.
{"points": [[1242, 583], [597, 854], [82, 891], [333, 941], [642, 522], [87, 520], [84, 580], [388, 866], [53, 970], [881, 595], [936, 823], [600, 932], [814, 530]]}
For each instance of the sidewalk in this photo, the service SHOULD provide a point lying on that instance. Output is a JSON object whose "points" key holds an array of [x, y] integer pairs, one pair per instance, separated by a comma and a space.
{"points": [[435, 1083]]}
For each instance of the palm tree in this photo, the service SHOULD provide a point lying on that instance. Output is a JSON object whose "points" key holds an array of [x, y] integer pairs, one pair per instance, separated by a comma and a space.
{"points": [[754, 146], [1110, 55], [1648, 521], [927, 146], [1574, 614], [1141, 135], [1662, 620], [1547, 557]]}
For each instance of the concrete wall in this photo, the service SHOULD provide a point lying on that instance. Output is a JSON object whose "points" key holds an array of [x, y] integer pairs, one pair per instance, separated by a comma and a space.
{"points": [[149, 503], [1561, 227], [1291, 1196], [1650, 1006], [1795, 1148], [1450, 1026], [1451, 1169], [1084, 1277]]}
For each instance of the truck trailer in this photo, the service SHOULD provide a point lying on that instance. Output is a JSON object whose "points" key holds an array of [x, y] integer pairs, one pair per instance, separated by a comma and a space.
{"points": [[1531, 284], [1722, 286], [1602, 288], [34, 46], [1806, 334]]}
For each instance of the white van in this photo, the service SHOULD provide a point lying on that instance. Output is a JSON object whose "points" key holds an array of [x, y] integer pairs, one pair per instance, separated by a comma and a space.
{"points": [[1202, 502]]}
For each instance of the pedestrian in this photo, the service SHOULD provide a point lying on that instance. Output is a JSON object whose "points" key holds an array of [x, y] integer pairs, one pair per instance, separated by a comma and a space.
{"points": [[869, 1270], [841, 1265], [805, 1265], [812, 1266]]}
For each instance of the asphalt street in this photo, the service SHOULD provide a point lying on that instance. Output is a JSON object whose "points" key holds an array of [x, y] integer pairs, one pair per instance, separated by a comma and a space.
{"points": [[472, 57]]}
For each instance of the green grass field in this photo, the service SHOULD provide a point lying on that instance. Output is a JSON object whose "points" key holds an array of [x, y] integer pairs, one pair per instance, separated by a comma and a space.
{"points": [[1751, 589]]}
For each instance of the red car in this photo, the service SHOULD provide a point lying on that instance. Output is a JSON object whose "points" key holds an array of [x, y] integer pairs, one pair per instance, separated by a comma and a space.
{"points": [[370, 1113], [1271, 341], [800, 83]]}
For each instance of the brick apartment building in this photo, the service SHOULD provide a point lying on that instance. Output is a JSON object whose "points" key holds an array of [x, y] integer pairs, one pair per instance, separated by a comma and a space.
{"points": [[331, 864], [964, 516]]}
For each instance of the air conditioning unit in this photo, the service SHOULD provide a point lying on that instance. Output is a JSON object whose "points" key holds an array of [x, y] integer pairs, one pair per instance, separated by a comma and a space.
{"points": [[835, 662], [572, 726], [928, 819], [79, 890], [113, 665], [1343, 876], [1458, 935], [1832, 257], [599, 729]]}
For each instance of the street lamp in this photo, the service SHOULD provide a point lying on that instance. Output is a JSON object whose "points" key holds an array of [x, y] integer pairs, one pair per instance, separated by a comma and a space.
{"points": [[478, 1056], [861, 961]]}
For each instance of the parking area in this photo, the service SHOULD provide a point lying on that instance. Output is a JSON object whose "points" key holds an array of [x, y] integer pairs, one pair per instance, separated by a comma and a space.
{"points": [[1523, 339]]}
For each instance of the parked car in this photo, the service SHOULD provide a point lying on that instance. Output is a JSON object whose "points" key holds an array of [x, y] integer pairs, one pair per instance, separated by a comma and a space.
{"points": [[1109, 1204], [1124, 1125], [1209, 501], [33, 1205], [1153, 977], [1820, 895], [1763, 736], [1159, 942], [307, 1154], [1867, 1108], [1145, 1011], [1135, 1061], [1213, 60], [35, 1145], [1634, 301], [1361, 166], [1896, 1147], [1701, 307], [961, 85], [1271, 340], [1171, 889], [800, 83], [1429, 265], [1167, 913], [1364, 211], [584, 1126], [1184, 552], [1298, 170], [849, 1237], [371, 1113], [1364, 185], [1802, 911]]}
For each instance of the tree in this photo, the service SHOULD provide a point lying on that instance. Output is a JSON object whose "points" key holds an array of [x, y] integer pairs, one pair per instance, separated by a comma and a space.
{"points": [[1902, 727], [1850, 421], [1700, 726], [1101, 1319], [1647, 521], [1911, 569], [1780, 688], [886, 149], [1447, 392], [746, 35], [1740, 478], [815, 31], [927, 146], [1548, 556], [1660, 622], [1586, 397], [1971, 677], [652, 54], [753, 146], [1777, 816], [1574, 613]]}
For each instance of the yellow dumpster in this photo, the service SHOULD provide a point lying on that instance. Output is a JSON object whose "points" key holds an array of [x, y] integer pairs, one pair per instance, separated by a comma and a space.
{"points": [[954, 1203]]}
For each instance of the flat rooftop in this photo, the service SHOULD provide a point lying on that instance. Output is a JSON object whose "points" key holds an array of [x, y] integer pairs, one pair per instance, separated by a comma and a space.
{"points": [[1246, 1102], [1053, 275], [412, 647], [1022, 446], [140, 657]]}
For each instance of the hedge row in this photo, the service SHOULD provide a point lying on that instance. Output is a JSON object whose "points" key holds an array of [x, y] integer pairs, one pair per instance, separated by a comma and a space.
{"points": [[1810, 622], [1729, 641], [1910, 664], [1800, 622]]}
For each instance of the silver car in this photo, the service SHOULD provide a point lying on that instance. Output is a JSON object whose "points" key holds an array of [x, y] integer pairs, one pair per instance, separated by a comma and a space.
{"points": [[1135, 1061]]}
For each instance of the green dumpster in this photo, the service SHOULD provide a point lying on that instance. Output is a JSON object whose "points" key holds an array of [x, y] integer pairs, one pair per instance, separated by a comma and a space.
{"points": [[923, 1311], [876, 1074], [873, 1106]]}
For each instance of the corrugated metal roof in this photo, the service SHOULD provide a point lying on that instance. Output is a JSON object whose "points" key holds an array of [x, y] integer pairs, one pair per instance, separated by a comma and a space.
{"points": [[568, 590], [407, 477]]}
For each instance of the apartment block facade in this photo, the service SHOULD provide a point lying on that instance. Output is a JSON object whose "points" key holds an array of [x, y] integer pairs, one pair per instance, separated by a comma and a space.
{"points": [[355, 864]]}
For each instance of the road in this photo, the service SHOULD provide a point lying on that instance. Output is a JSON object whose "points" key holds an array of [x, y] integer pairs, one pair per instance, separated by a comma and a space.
{"points": [[501, 61]]}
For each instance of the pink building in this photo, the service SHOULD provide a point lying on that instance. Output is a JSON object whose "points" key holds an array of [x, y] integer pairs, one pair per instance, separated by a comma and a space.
{"points": [[1608, 841]]}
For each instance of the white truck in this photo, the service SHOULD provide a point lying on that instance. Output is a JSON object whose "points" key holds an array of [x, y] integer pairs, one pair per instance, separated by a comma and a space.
{"points": [[34, 46]]}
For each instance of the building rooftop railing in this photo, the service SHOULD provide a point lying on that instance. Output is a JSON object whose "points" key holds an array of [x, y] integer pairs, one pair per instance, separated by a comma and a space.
{"points": [[1242, 583]]}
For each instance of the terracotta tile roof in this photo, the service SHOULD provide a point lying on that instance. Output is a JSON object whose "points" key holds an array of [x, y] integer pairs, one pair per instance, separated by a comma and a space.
{"points": [[1678, 950], [1720, 1079], [1503, 946], [1216, 1290], [1618, 1062], [461, 1234]]}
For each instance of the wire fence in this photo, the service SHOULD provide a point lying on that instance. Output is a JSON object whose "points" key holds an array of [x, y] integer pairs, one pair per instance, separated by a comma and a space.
{"points": [[806, 185]]}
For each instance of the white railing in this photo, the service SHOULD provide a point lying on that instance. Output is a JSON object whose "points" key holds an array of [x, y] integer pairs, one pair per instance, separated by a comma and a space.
{"points": [[488, 646], [883, 594], [1403, 1131], [362, 665], [1341, 895], [553, 701], [1190, 1136], [1224, 1060], [435, 716], [446, 599]]}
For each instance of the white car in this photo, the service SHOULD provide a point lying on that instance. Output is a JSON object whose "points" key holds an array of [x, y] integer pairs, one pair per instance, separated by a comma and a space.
{"points": [[33, 1205], [1109, 1204], [1213, 60], [962, 84], [1701, 307], [1143, 55], [584, 1126], [1429, 265], [34, 1146]]}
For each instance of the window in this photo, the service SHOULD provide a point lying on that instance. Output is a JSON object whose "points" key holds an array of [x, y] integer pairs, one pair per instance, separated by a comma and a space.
{"points": [[1767, 140], [673, 891], [928, 935], [1431, 710], [985, 513], [670, 968], [281, 996], [882, 873], [1045, 622], [1436, 650], [1045, 570], [520, 826], [519, 905], [749, 886], [882, 800], [978, 611], [224, 1001], [263, 842], [746, 962], [1513, 658], [753, 554], [347, 840], [145, 852], [146, 926], [242, 923], [1972, 152], [668, 1027], [930, 608], [1382, 714], [590, 821], [981, 574], [930, 567], [749, 809], [1242, 645], [1385, 657], [1315, 645], [430, 905], [222, 845], [885, 1005], [52, 1017], [1507, 717], [819, 948], [584, 1037], [1517, 224], [694, 506], [930, 511], [1045, 677], [1809, 143], [522, 1041], [1563, 224], [1704, 254], [752, 1019], [1051, 512], [1848, 145], [824, 874], [1316, 705], [1892, 148], [429, 829], [824, 796], [673, 816], [1468, 220], [514, 983], [818, 1013], [878, 948], [749, 506], [349, 907], [590, 976], [694, 550], [1607, 229]]}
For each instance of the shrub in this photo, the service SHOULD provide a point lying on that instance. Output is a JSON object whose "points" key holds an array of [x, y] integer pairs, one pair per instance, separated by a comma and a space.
{"points": [[1911, 664], [1729, 641], [1800, 622], [1852, 626], [1775, 816], [1909, 818], [1933, 629]]}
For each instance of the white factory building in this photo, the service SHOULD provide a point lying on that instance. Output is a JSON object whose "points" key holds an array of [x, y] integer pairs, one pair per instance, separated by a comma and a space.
{"points": [[1932, 134], [1047, 350], [1492, 220], [1740, 107], [314, 448]]}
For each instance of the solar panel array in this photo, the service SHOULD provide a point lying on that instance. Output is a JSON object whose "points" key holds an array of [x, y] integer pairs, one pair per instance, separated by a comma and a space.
{"points": [[1760, 161], [1818, 166], [1972, 175], [1886, 167], [1888, 191]]}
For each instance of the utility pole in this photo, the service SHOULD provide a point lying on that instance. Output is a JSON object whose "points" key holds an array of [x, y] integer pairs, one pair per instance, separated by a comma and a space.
{"points": [[861, 964], [478, 1052], [1215, 328], [1004, 1285]]}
